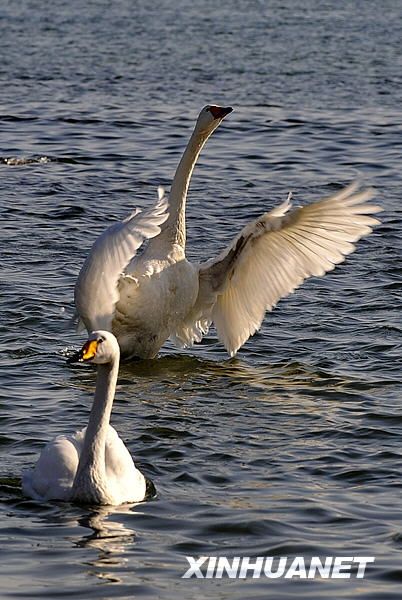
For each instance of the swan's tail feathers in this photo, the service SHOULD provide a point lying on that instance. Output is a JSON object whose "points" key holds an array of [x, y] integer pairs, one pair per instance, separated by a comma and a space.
{"points": [[96, 291], [273, 255]]}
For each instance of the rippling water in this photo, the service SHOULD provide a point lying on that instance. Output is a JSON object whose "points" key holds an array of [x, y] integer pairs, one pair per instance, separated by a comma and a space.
{"points": [[293, 447]]}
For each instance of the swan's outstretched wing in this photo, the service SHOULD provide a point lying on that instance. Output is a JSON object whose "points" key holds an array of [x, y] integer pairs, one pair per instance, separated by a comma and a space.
{"points": [[96, 290], [270, 258]]}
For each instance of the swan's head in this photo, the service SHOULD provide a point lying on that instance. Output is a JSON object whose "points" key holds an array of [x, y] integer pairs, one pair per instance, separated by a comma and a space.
{"points": [[101, 347], [210, 117]]}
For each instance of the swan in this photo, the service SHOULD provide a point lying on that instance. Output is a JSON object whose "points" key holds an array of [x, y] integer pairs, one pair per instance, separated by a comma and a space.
{"points": [[146, 299], [93, 466]]}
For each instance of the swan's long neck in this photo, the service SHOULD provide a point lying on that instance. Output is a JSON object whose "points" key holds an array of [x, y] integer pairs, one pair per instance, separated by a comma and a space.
{"points": [[174, 229], [91, 471]]}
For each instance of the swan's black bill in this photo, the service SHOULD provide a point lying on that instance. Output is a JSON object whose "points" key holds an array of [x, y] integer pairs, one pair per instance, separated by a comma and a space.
{"points": [[76, 357], [219, 112]]}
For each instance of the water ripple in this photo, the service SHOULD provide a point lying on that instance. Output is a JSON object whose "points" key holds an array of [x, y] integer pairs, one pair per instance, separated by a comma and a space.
{"points": [[292, 447]]}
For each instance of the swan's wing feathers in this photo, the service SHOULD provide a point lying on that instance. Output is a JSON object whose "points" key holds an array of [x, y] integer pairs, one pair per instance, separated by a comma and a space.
{"points": [[54, 472], [96, 290], [273, 255], [127, 482]]}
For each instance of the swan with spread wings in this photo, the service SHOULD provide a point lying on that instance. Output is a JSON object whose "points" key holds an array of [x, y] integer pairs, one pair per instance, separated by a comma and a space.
{"points": [[146, 299]]}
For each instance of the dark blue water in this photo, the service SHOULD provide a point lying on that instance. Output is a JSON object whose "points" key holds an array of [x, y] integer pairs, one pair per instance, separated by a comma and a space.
{"points": [[292, 448]]}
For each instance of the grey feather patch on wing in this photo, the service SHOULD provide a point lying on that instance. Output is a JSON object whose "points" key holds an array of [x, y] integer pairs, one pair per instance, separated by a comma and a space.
{"points": [[271, 257]]}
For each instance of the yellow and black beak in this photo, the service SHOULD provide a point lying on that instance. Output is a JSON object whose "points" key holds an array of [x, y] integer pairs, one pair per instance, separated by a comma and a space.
{"points": [[87, 352]]}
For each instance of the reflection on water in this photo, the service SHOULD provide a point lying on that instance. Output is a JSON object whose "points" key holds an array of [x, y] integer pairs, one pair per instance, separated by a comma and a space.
{"points": [[103, 537], [110, 538]]}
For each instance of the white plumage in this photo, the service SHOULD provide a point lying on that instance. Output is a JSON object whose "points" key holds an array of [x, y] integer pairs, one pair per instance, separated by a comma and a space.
{"points": [[92, 466], [109, 256], [273, 255], [161, 295]]}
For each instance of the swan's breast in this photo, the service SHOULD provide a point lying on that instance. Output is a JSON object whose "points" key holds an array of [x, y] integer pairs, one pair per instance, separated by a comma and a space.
{"points": [[154, 298]]}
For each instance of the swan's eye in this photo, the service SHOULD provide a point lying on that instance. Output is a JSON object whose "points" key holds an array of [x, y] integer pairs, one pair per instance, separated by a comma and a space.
{"points": [[100, 340]]}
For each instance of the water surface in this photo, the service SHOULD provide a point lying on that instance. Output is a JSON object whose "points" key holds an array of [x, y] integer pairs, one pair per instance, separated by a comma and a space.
{"points": [[293, 447]]}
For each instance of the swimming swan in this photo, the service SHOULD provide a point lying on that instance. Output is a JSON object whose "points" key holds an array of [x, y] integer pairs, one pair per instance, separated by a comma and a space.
{"points": [[158, 295], [93, 466]]}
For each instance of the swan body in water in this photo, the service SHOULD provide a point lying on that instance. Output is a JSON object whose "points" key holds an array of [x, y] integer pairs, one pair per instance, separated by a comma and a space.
{"points": [[158, 295], [93, 466]]}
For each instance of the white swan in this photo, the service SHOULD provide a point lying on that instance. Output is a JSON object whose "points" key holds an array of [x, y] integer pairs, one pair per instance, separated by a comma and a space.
{"points": [[146, 299], [93, 466]]}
